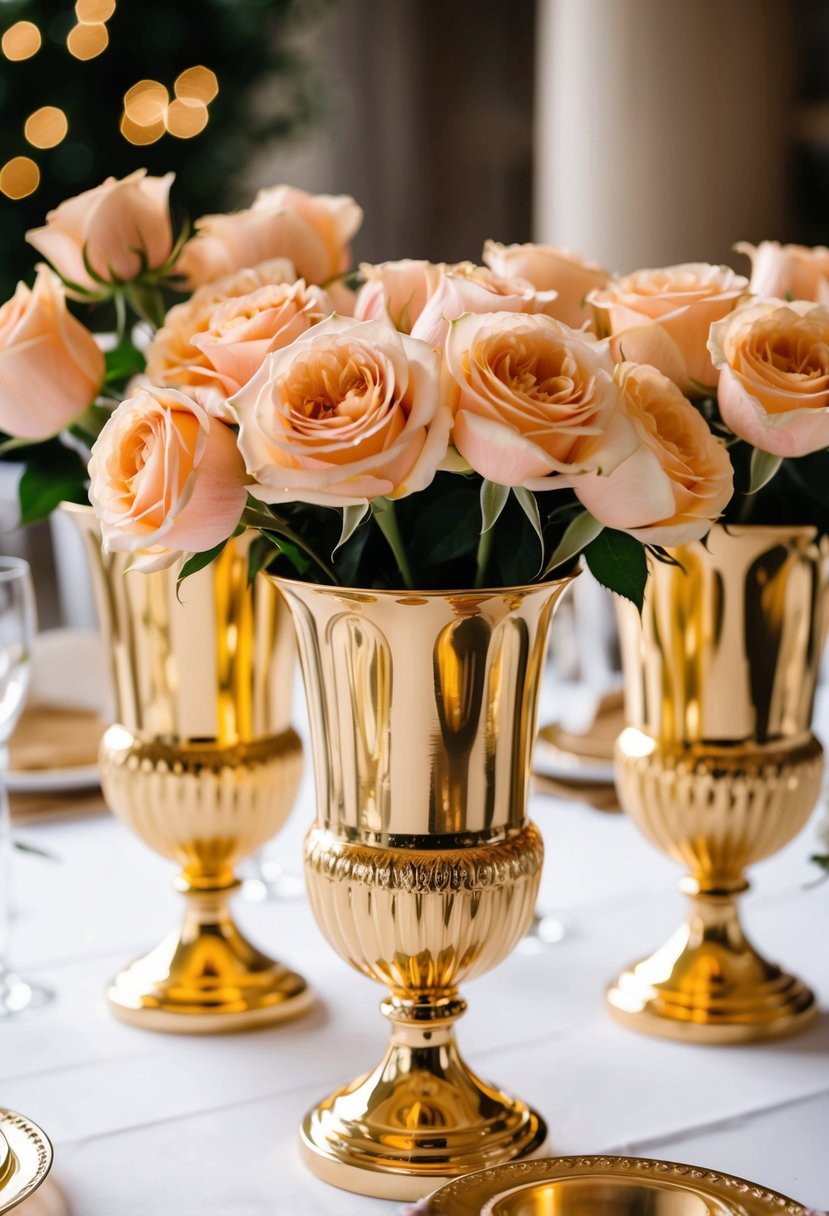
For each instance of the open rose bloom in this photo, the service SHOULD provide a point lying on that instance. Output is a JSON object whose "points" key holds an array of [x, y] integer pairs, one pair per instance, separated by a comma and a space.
{"points": [[411, 423]]}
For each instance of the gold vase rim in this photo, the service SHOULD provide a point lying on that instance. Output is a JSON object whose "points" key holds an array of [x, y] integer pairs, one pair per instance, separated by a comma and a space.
{"points": [[396, 593]]}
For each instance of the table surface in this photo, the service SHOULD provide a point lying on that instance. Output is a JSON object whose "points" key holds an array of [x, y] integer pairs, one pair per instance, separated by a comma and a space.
{"points": [[156, 1125]]}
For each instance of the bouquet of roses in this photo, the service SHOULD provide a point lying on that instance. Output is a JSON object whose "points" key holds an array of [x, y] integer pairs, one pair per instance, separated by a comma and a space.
{"points": [[409, 424]]}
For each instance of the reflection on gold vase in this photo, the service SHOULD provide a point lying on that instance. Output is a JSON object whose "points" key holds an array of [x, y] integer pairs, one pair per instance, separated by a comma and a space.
{"points": [[422, 868], [718, 766], [203, 765]]}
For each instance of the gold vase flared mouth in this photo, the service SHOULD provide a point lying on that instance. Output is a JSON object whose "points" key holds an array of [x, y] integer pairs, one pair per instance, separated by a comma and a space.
{"points": [[611, 1186], [413, 595]]}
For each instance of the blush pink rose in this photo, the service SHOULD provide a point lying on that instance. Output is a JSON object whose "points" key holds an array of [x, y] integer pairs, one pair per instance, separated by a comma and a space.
{"points": [[774, 378], [50, 366], [243, 330], [119, 228], [165, 478], [312, 230], [349, 412], [787, 272], [422, 298], [677, 482], [549, 269], [662, 317], [173, 359], [534, 401]]}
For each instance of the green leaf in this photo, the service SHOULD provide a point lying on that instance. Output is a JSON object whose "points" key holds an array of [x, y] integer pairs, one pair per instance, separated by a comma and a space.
{"points": [[262, 551], [579, 532], [619, 563], [198, 561], [124, 362], [352, 518], [299, 560], [447, 528], [493, 500], [527, 502], [764, 465], [42, 489]]}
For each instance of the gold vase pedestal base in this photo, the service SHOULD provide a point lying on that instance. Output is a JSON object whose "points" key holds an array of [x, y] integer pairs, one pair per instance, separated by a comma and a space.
{"points": [[420, 1118], [708, 984], [207, 978]]}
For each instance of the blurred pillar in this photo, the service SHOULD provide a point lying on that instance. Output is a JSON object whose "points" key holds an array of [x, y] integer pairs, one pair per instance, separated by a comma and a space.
{"points": [[661, 127]]}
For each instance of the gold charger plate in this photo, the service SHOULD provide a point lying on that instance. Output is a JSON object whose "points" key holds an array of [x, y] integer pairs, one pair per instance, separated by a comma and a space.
{"points": [[605, 1186], [25, 1158]]}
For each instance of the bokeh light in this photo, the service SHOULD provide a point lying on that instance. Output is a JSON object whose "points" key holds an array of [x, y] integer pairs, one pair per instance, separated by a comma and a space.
{"points": [[21, 40], [186, 118], [197, 84], [87, 41], [46, 127], [141, 134], [91, 12], [145, 104], [18, 177]]}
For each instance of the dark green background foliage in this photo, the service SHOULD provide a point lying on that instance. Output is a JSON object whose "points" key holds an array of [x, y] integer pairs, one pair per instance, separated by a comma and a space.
{"points": [[266, 89]]}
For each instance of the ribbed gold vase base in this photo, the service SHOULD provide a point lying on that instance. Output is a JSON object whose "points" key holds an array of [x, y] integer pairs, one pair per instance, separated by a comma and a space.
{"points": [[418, 1120], [207, 979], [717, 990]]}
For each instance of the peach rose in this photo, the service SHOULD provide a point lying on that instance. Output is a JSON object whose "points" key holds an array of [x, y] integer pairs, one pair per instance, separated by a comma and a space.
{"points": [[774, 382], [350, 411], [533, 400], [172, 358], [165, 478], [787, 272], [662, 317], [245, 329], [50, 366], [551, 270], [422, 298], [313, 230], [679, 479], [121, 228]]}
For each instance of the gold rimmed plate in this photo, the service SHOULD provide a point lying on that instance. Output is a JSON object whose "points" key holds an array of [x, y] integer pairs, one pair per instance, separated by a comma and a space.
{"points": [[605, 1186], [25, 1158]]}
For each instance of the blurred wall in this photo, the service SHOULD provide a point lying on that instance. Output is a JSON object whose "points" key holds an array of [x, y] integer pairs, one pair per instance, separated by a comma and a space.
{"points": [[662, 126], [428, 124]]}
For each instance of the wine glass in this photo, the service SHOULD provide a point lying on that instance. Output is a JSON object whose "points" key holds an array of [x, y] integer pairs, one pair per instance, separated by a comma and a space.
{"points": [[18, 625]]}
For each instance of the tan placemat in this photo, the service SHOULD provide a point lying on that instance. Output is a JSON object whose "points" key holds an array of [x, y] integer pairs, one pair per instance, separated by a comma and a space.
{"points": [[48, 737]]}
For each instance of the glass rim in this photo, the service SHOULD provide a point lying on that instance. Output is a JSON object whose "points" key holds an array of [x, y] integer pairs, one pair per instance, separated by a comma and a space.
{"points": [[14, 567]]}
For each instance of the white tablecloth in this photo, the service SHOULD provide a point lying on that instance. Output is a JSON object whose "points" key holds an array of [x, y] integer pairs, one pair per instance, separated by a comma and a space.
{"points": [[154, 1125]]}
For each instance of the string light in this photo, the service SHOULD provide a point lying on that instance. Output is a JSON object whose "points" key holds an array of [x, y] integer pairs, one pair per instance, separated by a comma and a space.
{"points": [[46, 127], [149, 112], [18, 177], [92, 12], [21, 40], [86, 41]]}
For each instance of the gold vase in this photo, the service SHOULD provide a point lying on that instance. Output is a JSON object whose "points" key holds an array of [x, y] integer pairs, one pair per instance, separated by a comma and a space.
{"points": [[203, 765], [718, 766], [422, 868]]}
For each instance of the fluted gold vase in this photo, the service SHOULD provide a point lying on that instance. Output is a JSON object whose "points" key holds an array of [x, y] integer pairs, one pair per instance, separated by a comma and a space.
{"points": [[718, 767], [422, 868], [203, 765]]}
